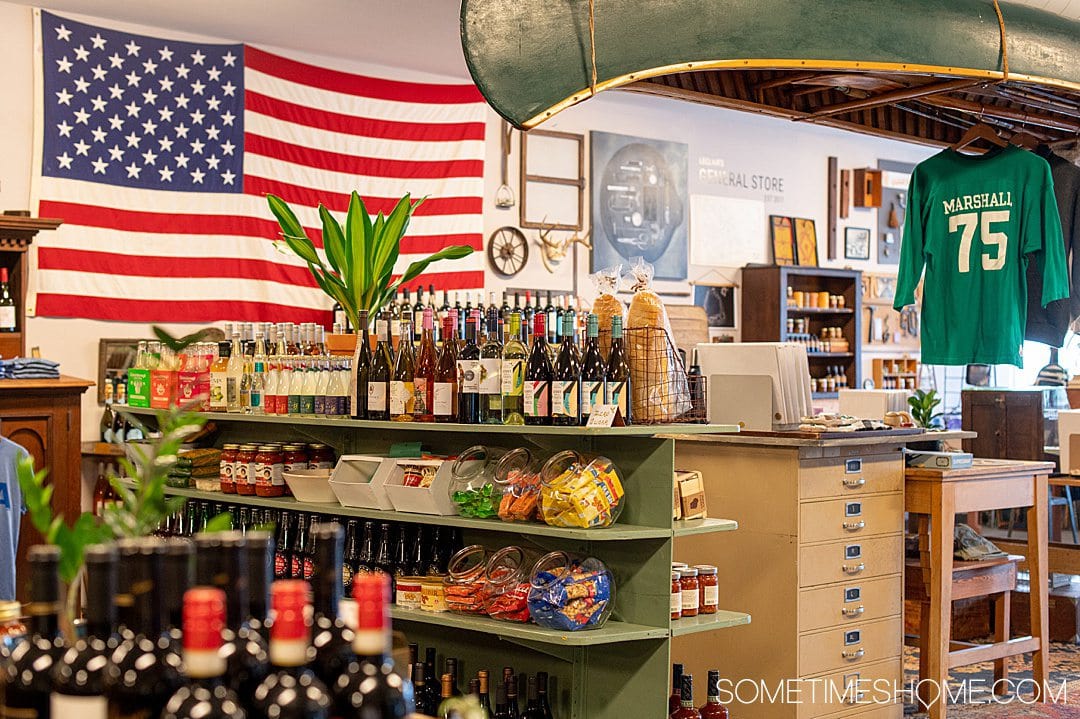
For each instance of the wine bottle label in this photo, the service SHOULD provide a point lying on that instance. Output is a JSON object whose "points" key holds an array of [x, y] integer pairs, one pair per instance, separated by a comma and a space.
{"points": [[513, 377], [468, 372], [443, 399], [712, 596], [420, 390], [63, 705], [402, 397], [376, 396], [491, 376], [592, 394], [565, 398], [617, 395], [7, 318], [537, 398], [690, 598]]}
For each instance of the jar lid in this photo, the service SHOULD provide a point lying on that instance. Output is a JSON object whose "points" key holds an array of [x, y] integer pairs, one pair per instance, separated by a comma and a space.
{"points": [[679, 565], [317, 446], [10, 611], [689, 572], [705, 569], [249, 447], [230, 446], [268, 448], [293, 447], [675, 575]]}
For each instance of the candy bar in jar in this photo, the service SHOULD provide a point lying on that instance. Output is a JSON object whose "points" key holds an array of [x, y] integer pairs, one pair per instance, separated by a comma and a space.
{"points": [[569, 592], [473, 488], [580, 491], [518, 473], [465, 583], [507, 584]]}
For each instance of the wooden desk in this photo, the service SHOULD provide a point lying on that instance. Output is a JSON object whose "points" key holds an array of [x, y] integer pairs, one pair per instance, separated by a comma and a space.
{"points": [[938, 495]]}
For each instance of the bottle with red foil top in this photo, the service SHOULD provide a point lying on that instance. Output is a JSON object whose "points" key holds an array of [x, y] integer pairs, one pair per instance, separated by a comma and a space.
{"points": [[424, 375], [205, 696], [538, 376], [712, 708], [369, 687], [291, 690]]}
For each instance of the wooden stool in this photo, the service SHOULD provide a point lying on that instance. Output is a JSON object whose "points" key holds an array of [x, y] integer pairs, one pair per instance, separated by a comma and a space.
{"points": [[938, 495], [995, 578]]}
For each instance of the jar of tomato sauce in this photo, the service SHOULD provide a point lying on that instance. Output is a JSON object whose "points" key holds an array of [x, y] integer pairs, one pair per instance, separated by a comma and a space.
{"points": [[688, 582], [269, 468], [320, 456], [295, 456], [244, 472], [709, 585], [227, 472]]}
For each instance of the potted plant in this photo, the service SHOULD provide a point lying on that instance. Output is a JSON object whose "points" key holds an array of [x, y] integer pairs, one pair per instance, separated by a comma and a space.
{"points": [[360, 255], [923, 406]]}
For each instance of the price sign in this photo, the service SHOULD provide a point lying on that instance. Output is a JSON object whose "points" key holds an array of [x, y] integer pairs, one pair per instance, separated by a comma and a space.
{"points": [[605, 415]]}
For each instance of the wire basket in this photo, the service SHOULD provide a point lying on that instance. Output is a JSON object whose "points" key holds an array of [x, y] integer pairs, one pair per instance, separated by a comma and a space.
{"points": [[661, 390]]}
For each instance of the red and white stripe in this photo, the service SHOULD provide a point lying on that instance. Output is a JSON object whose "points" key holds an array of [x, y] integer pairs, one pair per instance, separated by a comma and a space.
{"points": [[311, 135]]}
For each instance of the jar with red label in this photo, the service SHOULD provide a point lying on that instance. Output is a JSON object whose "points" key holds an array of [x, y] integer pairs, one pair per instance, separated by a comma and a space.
{"points": [[709, 584], [688, 581], [320, 456], [676, 594], [244, 469], [227, 471], [269, 467], [295, 457]]}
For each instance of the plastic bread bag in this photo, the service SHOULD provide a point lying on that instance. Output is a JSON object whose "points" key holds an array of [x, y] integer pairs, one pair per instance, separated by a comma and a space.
{"points": [[658, 381], [607, 305]]}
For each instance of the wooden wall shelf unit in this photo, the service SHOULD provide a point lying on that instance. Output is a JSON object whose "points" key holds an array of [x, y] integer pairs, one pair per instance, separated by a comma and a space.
{"points": [[903, 371], [620, 670], [765, 313], [16, 233]]}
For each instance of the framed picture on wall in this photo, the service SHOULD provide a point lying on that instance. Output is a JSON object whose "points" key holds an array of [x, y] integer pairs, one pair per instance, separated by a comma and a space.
{"points": [[856, 243], [783, 240], [115, 358], [719, 303], [806, 242]]}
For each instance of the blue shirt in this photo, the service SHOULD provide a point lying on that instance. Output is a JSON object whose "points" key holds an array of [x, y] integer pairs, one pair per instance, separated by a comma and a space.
{"points": [[11, 509]]}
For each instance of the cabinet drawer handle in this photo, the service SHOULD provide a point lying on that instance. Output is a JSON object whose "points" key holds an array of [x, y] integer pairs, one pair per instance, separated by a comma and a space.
{"points": [[854, 568], [853, 611], [853, 655], [854, 482], [854, 526]]}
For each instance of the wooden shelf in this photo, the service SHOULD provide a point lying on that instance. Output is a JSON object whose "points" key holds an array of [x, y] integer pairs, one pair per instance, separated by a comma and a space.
{"points": [[101, 449], [708, 622], [830, 355], [820, 311], [687, 527]]}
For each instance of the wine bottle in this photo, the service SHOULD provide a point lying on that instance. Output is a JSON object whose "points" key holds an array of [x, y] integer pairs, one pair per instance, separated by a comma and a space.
{"points": [[468, 367], [331, 638], [378, 407], [500, 703], [259, 546], [712, 708], [362, 362], [234, 374], [593, 370], [542, 695], [452, 670], [538, 377], [491, 411], [566, 387], [444, 396], [446, 696], [532, 701], [420, 695], [291, 690], [8, 310], [145, 669], [429, 697], [482, 692], [222, 564], [310, 544], [416, 559], [401, 555], [78, 677], [424, 376], [402, 387], [366, 562], [206, 695], [370, 688], [686, 708], [675, 698], [514, 355], [513, 708], [618, 372]]}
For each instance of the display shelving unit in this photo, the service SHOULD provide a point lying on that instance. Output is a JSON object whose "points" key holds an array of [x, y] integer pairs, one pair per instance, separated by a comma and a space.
{"points": [[617, 671]]}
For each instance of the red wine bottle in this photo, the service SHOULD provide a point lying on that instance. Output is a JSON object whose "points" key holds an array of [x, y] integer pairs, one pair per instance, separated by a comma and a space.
{"points": [[370, 688], [618, 372], [566, 389], [538, 377], [444, 396], [78, 677], [542, 695], [145, 670], [291, 690], [26, 671], [593, 370], [468, 366], [331, 638], [532, 701], [206, 695]]}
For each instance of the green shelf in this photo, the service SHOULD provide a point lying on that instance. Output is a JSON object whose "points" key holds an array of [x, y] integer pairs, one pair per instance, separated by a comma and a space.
{"points": [[708, 622], [612, 632], [687, 527], [638, 430], [618, 532]]}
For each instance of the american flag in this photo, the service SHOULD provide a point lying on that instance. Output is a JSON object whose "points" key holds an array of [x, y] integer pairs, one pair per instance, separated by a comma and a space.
{"points": [[158, 155]]}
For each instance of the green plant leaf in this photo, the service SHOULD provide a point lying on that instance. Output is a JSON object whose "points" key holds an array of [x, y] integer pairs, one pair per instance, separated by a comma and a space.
{"points": [[393, 230], [358, 240], [334, 290], [454, 252], [179, 344], [290, 226], [334, 242], [303, 248], [219, 523]]}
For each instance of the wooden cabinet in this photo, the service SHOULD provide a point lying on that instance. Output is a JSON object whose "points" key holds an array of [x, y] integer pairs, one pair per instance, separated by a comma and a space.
{"points": [[819, 559], [895, 372], [1009, 422], [16, 233], [44, 417], [767, 314]]}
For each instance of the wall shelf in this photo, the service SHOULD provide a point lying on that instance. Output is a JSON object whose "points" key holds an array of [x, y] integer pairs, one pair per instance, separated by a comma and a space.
{"points": [[688, 527], [708, 622]]}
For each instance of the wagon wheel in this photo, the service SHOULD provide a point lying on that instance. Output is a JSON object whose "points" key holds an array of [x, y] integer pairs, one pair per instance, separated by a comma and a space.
{"points": [[507, 251]]}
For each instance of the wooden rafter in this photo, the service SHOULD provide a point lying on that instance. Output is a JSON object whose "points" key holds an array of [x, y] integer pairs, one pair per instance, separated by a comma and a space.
{"points": [[889, 98], [1003, 112]]}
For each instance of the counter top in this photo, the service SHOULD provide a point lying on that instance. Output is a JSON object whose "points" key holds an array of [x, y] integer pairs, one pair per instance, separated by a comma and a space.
{"points": [[798, 439]]}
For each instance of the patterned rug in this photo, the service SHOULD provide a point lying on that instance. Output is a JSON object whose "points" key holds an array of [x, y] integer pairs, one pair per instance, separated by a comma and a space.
{"points": [[973, 685]]}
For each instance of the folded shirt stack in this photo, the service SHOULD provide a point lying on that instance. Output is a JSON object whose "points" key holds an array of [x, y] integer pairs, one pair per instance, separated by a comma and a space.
{"points": [[29, 368]]}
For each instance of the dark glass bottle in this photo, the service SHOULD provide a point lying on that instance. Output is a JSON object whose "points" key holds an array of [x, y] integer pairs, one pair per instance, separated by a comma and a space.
{"points": [[482, 692], [205, 696], [145, 669], [468, 373], [618, 372], [366, 563], [382, 363], [283, 547], [424, 377], [351, 559], [593, 370], [291, 690], [452, 670], [331, 638], [441, 551], [513, 707], [259, 546], [686, 708], [552, 314], [532, 701], [444, 399], [420, 693], [402, 560], [712, 708], [310, 546], [370, 688], [296, 553], [675, 698], [696, 383], [402, 384], [384, 560], [542, 694], [362, 360], [566, 387], [223, 564], [500, 703], [416, 559], [78, 677], [431, 693], [538, 377], [175, 580]]}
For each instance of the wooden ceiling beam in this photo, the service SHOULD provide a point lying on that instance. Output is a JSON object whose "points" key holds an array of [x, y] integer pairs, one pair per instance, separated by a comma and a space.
{"points": [[999, 111], [894, 96], [787, 79]]}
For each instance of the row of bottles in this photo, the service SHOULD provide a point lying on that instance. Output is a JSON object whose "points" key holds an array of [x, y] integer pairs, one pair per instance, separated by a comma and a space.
{"points": [[681, 702], [835, 379]]}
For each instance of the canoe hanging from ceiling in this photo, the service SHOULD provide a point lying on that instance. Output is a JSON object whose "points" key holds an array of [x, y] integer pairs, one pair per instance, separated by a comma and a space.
{"points": [[921, 70]]}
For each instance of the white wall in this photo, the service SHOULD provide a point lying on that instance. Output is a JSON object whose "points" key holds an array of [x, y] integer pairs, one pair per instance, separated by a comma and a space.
{"points": [[746, 143]]}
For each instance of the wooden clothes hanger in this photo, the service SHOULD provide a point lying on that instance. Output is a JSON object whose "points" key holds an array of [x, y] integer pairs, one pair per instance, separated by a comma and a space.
{"points": [[979, 131]]}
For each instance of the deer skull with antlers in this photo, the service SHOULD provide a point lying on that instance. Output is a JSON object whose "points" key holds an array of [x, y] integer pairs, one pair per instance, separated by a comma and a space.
{"points": [[553, 251]]}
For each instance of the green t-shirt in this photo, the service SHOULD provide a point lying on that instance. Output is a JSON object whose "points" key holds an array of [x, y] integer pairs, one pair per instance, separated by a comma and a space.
{"points": [[975, 222]]}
